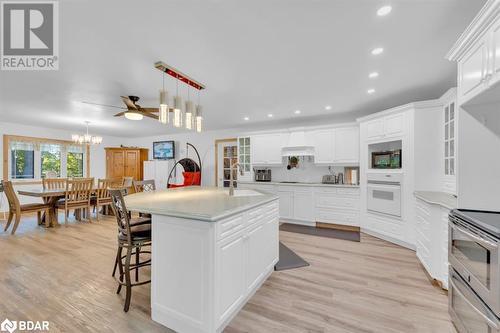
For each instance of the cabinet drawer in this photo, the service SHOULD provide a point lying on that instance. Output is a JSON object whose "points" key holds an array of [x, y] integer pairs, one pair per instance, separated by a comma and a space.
{"points": [[333, 201], [352, 192], [326, 189], [230, 226], [337, 217]]}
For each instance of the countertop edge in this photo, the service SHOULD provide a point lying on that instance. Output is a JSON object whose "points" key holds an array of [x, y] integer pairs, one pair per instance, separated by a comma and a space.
{"points": [[203, 218], [423, 195], [300, 184]]}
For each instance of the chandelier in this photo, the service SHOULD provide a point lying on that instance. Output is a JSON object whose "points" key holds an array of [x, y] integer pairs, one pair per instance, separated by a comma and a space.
{"points": [[181, 115], [86, 139]]}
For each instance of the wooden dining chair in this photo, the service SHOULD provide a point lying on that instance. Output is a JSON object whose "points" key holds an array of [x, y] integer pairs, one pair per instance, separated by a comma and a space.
{"points": [[16, 209], [144, 185], [102, 197], [77, 197], [54, 183]]}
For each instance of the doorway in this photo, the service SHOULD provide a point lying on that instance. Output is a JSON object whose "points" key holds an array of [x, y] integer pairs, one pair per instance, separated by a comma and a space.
{"points": [[226, 154]]}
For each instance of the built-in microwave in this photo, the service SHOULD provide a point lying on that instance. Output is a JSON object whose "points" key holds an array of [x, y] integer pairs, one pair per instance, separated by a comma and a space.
{"points": [[390, 159]]}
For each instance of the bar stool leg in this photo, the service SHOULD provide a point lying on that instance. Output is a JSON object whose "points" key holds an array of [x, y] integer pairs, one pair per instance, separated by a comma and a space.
{"points": [[117, 259], [127, 279], [120, 268], [137, 252]]}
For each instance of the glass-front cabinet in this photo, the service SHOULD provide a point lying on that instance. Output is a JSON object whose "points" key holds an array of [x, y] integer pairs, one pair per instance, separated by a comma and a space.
{"points": [[244, 157]]}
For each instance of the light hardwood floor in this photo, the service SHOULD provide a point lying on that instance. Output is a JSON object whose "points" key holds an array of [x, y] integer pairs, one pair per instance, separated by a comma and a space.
{"points": [[64, 275]]}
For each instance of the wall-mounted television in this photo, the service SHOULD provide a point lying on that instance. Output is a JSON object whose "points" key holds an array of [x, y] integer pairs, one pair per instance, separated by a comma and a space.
{"points": [[163, 150]]}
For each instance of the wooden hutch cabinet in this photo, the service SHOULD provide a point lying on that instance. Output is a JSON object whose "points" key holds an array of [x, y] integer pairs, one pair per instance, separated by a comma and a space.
{"points": [[126, 162]]}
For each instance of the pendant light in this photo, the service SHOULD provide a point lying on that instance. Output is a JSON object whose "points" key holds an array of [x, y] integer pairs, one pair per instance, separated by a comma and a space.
{"points": [[133, 115], [199, 115], [163, 115], [189, 115], [199, 118], [177, 106]]}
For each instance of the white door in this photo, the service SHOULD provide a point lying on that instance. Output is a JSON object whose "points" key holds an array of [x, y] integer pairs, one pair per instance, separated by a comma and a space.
{"points": [[255, 254], [347, 145], [324, 146], [226, 156]]}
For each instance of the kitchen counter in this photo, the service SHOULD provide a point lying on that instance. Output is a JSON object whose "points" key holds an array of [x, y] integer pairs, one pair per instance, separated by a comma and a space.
{"points": [[299, 184], [208, 204], [442, 199], [211, 252]]}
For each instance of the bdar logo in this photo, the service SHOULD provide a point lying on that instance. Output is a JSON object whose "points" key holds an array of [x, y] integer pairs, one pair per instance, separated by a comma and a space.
{"points": [[8, 325]]}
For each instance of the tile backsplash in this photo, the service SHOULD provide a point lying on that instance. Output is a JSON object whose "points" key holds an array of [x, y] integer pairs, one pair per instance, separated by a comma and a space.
{"points": [[306, 171]]}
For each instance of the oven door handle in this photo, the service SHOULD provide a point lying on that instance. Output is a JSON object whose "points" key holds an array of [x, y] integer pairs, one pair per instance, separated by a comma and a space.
{"points": [[490, 322], [489, 245]]}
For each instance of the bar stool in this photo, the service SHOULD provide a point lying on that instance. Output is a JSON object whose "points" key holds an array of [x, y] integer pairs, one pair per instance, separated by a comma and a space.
{"points": [[132, 238]]}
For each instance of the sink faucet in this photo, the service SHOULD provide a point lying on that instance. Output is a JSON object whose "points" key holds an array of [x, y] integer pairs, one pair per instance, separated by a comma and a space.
{"points": [[231, 182]]}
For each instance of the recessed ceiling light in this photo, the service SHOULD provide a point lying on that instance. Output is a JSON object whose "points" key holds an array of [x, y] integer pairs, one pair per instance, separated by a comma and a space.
{"points": [[270, 115], [383, 11], [328, 107], [377, 51], [370, 91], [297, 111], [373, 75], [246, 118]]}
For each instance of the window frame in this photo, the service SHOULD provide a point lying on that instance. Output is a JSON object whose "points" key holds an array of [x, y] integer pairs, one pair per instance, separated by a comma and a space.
{"points": [[37, 157]]}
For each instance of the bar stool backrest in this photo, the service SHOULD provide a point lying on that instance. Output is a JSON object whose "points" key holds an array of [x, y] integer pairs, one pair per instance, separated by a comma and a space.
{"points": [[120, 211]]}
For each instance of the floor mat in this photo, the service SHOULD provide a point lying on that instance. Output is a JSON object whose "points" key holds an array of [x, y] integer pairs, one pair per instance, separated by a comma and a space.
{"points": [[322, 232], [289, 259]]}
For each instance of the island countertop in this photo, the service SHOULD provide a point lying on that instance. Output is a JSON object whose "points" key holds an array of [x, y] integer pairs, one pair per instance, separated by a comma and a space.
{"points": [[208, 204]]}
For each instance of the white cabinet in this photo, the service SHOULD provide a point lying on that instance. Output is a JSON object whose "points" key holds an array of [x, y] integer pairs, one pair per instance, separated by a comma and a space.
{"points": [[336, 145], [375, 129], [473, 70], [256, 255], [266, 148], [231, 274], [337, 205], [346, 145], [286, 202], [386, 127], [324, 146], [303, 204], [431, 239], [478, 55]]}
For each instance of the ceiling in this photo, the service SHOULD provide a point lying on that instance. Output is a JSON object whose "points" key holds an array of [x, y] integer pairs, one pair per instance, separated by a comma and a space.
{"points": [[255, 57]]}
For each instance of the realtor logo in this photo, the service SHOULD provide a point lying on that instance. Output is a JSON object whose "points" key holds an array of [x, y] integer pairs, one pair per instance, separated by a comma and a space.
{"points": [[30, 35], [8, 325]]}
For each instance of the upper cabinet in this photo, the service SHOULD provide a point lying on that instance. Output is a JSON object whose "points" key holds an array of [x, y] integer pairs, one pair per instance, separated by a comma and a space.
{"points": [[324, 146], [477, 53], [266, 148], [336, 146], [385, 127], [347, 145]]}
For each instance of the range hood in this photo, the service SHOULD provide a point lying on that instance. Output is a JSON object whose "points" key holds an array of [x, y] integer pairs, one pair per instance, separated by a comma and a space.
{"points": [[297, 145]]}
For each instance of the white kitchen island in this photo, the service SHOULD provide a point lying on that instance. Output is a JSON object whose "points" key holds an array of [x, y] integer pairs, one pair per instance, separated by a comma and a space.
{"points": [[210, 253]]}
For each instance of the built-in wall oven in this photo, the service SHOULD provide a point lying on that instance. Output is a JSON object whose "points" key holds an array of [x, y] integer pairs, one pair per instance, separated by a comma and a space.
{"points": [[384, 193], [473, 254]]}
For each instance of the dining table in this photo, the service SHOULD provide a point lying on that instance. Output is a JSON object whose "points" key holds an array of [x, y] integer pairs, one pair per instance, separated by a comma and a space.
{"points": [[51, 197]]}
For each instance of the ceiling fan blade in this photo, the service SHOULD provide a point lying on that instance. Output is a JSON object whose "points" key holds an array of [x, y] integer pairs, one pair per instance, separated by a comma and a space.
{"points": [[150, 110], [129, 103], [120, 114], [150, 115], [105, 105]]}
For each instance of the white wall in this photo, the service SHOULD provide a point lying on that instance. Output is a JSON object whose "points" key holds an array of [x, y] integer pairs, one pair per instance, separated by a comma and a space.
{"points": [[97, 153]]}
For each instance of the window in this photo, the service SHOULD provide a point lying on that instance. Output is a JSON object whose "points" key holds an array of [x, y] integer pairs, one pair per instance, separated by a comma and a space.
{"points": [[28, 158], [50, 160], [22, 160], [449, 139], [74, 162], [244, 153]]}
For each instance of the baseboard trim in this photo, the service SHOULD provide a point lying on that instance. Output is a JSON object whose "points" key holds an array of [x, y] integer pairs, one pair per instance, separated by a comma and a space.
{"points": [[389, 238], [338, 226]]}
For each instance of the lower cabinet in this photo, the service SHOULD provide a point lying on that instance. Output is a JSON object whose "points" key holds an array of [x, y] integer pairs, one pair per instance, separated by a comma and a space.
{"points": [[315, 203], [431, 239], [245, 257]]}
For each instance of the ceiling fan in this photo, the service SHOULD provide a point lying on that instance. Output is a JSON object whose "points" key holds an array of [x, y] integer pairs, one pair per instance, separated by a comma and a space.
{"points": [[133, 111]]}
